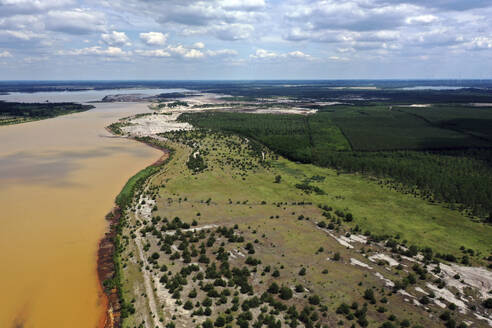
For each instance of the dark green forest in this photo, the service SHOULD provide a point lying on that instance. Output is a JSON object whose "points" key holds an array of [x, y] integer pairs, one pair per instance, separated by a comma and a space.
{"points": [[415, 155], [14, 112]]}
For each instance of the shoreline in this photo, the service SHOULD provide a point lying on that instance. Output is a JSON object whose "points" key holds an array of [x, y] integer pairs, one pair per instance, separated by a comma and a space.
{"points": [[106, 268]]}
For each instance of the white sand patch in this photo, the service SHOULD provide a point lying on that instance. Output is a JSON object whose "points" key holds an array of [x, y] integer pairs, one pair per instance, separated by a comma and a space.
{"points": [[405, 293], [149, 125], [475, 277], [359, 263], [478, 316], [420, 290], [448, 296], [410, 259], [358, 238], [387, 282], [344, 241], [203, 227], [383, 257], [439, 303]]}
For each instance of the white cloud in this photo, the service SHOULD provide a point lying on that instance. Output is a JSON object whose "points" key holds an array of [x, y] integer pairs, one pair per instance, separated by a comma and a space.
{"points": [[116, 39], [97, 51], [25, 7], [233, 32], [185, 52], [20, 35], [299, 54], [154, 38], [480, 43], [337, 58], [421, 19], [199, 45], [77, 21], [266, 54], [222, 52], [5, 54], [248, 5], [153, 53]]}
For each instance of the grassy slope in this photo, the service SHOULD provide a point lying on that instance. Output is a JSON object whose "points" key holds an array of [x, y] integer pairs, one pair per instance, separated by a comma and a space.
{"points": [[289, 242], [377, 209]]}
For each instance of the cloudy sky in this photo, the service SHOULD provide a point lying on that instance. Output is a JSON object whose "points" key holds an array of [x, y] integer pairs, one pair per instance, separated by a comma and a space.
{"points": [[245, 39]]}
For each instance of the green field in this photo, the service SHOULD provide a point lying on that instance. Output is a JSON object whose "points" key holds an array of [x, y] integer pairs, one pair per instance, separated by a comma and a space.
{"points": [[451, 170], [238, 187]]}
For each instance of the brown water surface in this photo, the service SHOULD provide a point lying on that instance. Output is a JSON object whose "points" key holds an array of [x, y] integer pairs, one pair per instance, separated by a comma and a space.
{"points": [[58, 179]]}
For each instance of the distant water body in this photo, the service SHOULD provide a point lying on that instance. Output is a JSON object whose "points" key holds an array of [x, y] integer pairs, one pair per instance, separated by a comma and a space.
{"points": [[435, 87], [80, 96], [58, 180]]}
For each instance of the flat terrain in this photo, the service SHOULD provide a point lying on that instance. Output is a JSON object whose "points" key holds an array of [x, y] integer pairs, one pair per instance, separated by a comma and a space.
{"points": [[214, 180], [15, 113]]}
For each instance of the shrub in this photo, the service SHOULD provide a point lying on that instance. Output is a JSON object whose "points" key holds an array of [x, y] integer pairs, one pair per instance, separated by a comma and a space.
{"points": [[273, 289], [314, 300], [208, 324], [369, 295], [285, 293]]}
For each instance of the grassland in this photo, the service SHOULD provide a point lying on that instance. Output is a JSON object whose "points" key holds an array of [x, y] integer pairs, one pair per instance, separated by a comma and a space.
{"points": [[433, 162], [16, 113], [238, 189]]}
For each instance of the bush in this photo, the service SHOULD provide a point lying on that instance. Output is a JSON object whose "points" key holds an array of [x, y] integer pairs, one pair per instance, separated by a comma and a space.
{"points": [[219, 322], [314, 300], [285, 293], [302, 272], [208, 324], [343, 309], [369, 295], [273, 289], [445, 316]]}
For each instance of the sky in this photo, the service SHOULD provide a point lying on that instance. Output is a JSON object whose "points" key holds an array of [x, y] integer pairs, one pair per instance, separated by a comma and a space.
{"points": [[245, 39]]}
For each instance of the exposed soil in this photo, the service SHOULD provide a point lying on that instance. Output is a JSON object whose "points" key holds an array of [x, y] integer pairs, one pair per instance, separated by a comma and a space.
{"points": [[105, 260], [106, 270]]}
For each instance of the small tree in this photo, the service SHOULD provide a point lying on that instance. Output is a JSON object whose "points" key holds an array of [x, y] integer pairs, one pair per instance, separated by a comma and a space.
{"points": [[285, 293], [278, 178], [273, 289]]}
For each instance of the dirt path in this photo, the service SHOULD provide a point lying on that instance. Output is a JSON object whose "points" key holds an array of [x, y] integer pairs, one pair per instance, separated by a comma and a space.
{"points": [[148, 280]]}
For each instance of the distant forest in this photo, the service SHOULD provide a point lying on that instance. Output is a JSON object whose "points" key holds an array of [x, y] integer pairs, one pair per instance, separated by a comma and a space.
{"points": [[14, 112]]}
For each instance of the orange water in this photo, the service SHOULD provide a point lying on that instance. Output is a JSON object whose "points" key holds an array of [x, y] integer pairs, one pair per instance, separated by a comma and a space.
{"points": [[58, 179]]}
